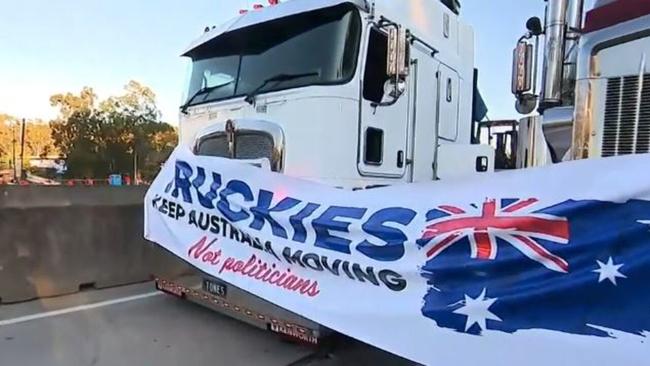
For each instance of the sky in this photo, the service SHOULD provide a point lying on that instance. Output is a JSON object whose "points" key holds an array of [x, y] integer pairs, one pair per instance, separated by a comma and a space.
{"points": [[49, 47]]}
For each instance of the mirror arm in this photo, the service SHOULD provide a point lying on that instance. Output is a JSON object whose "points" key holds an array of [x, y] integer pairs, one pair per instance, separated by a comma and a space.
{"points": [[385, 104], [525, 36], [535, 65], [385, 22]]}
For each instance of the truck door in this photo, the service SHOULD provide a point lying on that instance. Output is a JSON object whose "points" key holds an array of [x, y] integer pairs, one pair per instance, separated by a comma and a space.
{"points": [[424, 100], [448, 98], [382, 129]]}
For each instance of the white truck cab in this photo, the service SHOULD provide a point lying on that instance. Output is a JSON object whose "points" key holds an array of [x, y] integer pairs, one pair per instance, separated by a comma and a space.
{"points": [[353, 93]]}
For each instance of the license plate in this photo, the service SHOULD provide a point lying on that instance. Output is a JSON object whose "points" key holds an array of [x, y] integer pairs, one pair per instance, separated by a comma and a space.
{"points": [[301, 334], [215, 288]]}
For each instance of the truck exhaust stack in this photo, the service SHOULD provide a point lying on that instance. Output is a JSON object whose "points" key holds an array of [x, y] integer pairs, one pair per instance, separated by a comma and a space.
{"points": [[574, 24], [555, 30]]}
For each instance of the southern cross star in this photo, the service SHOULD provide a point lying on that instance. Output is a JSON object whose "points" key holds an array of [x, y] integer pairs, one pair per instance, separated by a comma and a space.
{"points": [[609, 271], [477, 311]]}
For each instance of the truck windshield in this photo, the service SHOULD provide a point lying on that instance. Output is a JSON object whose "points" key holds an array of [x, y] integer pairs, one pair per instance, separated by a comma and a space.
{"points": [[323, 45]]}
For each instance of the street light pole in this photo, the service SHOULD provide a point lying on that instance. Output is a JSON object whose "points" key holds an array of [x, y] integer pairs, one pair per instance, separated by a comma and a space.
{"points": [[135, 167], [13, 149], [22, 151]]}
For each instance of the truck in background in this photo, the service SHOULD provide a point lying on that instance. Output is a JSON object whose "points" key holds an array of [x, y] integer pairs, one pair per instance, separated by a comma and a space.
{"points": [[595, 91], [359, 94]]}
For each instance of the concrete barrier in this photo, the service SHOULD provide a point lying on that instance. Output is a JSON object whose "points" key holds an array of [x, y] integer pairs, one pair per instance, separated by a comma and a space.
{"points": [[56, 240]]}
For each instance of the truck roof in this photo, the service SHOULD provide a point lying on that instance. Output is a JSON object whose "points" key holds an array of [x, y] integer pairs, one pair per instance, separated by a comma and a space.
{"points": [[281, 10]]}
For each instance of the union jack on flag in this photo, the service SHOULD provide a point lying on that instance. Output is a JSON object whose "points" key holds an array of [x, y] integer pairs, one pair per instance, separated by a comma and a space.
{"points": [[511, 220]]}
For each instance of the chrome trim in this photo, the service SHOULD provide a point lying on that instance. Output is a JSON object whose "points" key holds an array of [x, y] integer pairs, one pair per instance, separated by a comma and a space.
{"points": [[230, 131], [415, 65], [626, 122], [232, 128], [588, 72], [557, 125], [531, 148], [639, 96], [583, 118], [574, 16]]}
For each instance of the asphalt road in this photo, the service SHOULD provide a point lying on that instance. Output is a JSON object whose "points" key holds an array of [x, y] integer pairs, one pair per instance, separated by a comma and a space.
{"points": [[133, 325]]}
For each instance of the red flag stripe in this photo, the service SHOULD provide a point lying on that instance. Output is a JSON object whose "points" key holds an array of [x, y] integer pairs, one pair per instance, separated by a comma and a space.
{"points": [[559, 262], [554, 227], [483, 245], [452, 209], [442, 245], [519, 205]]}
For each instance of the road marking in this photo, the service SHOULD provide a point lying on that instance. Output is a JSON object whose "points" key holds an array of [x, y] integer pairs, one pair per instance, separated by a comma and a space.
{"points": [[75, 309]]}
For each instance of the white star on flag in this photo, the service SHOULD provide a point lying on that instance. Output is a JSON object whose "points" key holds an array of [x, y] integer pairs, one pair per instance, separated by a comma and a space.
{"points": [[477, 311], [609, 271]]}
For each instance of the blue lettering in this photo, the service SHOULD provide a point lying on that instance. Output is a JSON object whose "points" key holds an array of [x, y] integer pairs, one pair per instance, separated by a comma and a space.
{"points": [[262, 212], [234, 187], [206, 200], [394, 238], [326, 223], [299, 230], [181, 182]]}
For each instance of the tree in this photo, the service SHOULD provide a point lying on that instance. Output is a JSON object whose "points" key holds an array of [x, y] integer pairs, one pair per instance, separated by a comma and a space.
{"points": [[69, 129], [6, 139], [38, 140], [69, 103], [162, 138], [111, 136], [137, 101]]}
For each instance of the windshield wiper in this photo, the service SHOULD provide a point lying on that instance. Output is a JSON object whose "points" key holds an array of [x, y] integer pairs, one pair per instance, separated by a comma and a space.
{"points": [[250, 97], [200, 92]]}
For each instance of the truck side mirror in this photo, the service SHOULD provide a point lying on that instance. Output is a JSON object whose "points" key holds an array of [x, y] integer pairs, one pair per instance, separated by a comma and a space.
{"points": [[526, 103], [522, 68], [522, 77], [534, 26], [397, 63]]}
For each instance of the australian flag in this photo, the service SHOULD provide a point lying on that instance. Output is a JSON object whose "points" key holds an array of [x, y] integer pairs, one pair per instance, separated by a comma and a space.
{"points": [[580, 267]]}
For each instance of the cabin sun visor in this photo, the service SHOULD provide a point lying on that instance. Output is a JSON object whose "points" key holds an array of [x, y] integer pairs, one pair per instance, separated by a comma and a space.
{"points": [[270, 13]]}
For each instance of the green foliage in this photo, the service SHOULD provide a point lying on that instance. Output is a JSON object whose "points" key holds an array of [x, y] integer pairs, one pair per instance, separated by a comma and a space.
{"points": [[112, 136], [6, 138], [38, 139]]}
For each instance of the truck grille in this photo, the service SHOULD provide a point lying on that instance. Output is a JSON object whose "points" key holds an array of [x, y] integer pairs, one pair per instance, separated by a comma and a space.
{"points": [[213, 146], [248, 146], [254, 146], [627, 116]]}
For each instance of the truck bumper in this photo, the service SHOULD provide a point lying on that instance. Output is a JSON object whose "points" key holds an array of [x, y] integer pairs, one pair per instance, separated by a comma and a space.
{"points": [[232, 301]]}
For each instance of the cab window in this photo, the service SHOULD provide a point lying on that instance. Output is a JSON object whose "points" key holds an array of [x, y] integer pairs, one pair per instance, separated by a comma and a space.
{"points": [[375, 73]]}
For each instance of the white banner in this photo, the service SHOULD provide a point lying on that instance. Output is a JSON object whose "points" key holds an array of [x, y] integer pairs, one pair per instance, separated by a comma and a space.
{"points": [[537, 267]]}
